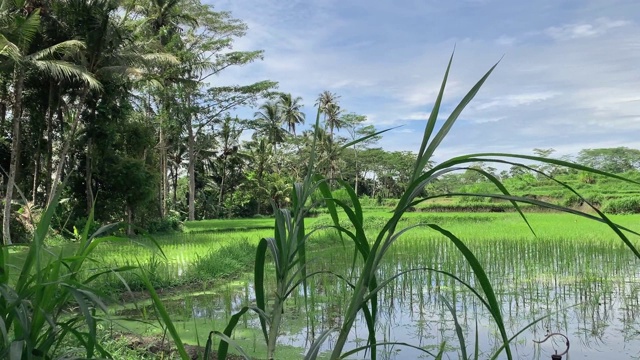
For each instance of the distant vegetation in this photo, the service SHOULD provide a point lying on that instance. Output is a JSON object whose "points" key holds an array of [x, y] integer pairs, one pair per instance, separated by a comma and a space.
{"points": [[610, 195]]}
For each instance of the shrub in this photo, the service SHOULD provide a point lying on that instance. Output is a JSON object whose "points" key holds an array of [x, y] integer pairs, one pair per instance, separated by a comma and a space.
{"points": [[622, 206], [594, 198], [587, 178], [170, 223], [571, 200], [81, 222], [19, 232], [342, 195]]}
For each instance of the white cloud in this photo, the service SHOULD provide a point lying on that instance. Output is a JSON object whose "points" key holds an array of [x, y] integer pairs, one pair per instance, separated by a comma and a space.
{"points": [[582, 30], [417, 116], [506, 40], [517, 100]]}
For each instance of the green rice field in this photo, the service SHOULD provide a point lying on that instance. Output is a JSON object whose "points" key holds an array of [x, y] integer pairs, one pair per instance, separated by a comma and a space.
{"points": [[574, 276]]}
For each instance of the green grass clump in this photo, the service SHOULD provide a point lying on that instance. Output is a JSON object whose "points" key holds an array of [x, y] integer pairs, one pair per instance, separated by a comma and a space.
{"points": [[622, 206], [227, 225], [225, 262]]}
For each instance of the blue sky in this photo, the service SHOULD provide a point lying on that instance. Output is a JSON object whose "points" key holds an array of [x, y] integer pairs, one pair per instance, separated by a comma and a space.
{"points": [[569, 78]]}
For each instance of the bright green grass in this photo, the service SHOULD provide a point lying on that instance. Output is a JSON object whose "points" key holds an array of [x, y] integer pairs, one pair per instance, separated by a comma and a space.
{"points": [[227, 224], [186, 247], [482, 232], [485, 233], [183, 250]]}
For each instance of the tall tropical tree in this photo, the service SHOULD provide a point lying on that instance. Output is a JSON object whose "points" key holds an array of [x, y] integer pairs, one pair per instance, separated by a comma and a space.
{"points": [[261, 163], [354, 124], [206, 53], [327, 103], [333, 119], [165, 17], [20, 26], [269, 123], [230, 140], [325, 99], [291, 109], [164, 21]]}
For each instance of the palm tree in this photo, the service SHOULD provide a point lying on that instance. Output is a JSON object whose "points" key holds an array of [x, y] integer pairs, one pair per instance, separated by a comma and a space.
{"points": [[165, 17], [230, 137], [324, 99], [269, 123], [334, 118], [328, 105], [18, 29], [111, 55], [291, 111]]}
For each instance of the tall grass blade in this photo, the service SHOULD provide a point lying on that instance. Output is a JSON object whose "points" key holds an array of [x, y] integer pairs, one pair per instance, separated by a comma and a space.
{"points": [[227, 340], [504, 190], [314, 349], [386, 343], [223, 347], [258, 282], [483, 157], [485, 284], [477, 343], [501, 348], [444, 130], [423, 158], [459, 333], [164, 315], [365, 138]]}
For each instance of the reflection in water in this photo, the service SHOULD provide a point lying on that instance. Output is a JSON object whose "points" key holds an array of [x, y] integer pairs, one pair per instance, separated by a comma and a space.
{"points": [[588, 291]]}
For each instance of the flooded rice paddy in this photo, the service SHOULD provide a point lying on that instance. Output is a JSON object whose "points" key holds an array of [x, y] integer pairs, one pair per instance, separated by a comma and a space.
{"points": [[587, 289]]}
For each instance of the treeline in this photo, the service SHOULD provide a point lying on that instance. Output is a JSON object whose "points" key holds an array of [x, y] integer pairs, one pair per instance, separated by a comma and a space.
{"points": [[111, 104], [539, 181]]}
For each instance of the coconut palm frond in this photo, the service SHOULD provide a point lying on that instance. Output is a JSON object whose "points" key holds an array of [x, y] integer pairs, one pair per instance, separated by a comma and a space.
{"points": [[27, 28], [160, 59], [9, 49], [64, 70], [122, 70], [68, 47]]}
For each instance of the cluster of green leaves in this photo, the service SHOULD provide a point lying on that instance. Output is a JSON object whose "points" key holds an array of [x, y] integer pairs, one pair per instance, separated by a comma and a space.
{"points": [[35, 321]]}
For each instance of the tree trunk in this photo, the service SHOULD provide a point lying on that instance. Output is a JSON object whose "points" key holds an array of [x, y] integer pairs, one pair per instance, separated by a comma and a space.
{"points": [[129, 220], [49, 156], [36, 173], [65, 150], [61, 162], [4, 101], [373, 192], [163, 172], [192, 171], [88, 178], [224, 175], [15, 155], [175, 188]]}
